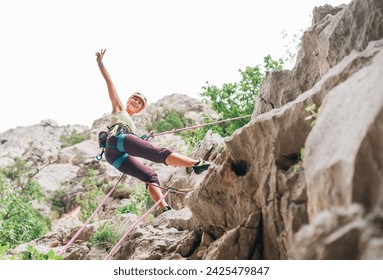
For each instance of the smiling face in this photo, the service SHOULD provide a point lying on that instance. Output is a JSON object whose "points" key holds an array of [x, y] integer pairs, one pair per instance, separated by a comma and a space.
{"points": [[135, 104]]}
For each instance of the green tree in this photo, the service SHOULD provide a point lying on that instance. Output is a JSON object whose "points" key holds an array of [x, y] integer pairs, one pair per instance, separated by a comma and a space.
{"points": [[173, 119], [235, 99]]}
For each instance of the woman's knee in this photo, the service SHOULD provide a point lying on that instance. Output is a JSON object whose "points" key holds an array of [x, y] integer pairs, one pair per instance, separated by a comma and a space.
{"points": [[152, 179], [151, 188], [162, 155]]}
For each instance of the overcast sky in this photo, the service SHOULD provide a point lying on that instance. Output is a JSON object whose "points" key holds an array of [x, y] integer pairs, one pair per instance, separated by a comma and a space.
{"points": [[158, 47]]}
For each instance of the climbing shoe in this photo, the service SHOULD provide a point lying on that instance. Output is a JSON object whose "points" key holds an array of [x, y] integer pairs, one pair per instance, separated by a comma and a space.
{"points": [[201, 166], [166, 208]]}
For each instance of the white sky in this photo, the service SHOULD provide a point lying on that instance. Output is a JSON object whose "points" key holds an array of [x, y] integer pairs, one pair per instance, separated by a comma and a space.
{"points": [[158, 47]]}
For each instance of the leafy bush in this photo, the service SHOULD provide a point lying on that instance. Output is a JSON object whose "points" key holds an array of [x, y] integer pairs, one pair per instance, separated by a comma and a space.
{"points": [[71, 139], [17, 171], [57, 202], [173, 119], [105, 238], [128, 208], [3, 252], [89, 199], [191, 137], [30, 254], [19, 221], [140, 202], [33, 254]]}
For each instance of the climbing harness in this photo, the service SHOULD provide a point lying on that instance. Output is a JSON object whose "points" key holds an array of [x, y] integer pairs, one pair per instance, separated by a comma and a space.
{"points": [[120, 131], [102, 138]]}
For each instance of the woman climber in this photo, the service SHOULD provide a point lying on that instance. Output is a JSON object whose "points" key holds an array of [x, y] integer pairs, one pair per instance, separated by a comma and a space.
{"points": [[123, 145]]}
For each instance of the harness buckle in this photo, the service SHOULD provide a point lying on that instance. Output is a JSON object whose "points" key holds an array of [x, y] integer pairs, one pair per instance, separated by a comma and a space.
{"points": [[99, 157]]}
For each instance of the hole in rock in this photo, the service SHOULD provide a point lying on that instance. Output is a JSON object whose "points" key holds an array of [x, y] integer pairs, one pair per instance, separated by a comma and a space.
{"points": [[240, 167]]}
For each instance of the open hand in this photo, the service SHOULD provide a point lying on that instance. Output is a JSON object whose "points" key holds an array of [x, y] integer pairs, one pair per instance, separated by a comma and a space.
{"points": [[100, 55]]}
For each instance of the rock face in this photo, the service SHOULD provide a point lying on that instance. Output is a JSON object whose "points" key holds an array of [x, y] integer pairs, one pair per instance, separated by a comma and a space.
{"points": [[291, 184], [38, 143], [341, 167], [335, 32]]}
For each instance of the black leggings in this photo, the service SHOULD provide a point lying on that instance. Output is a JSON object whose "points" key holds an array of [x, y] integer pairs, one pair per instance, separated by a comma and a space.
{"points": [[136, 147]]}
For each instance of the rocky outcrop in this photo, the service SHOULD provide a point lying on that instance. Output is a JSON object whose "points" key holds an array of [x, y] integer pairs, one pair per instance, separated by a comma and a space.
{"points": [[38, 143], [334, 34], [341, 167]]}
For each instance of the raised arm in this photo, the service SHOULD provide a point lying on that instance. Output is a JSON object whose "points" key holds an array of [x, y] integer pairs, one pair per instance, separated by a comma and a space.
{"points": [[117, 105]]}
